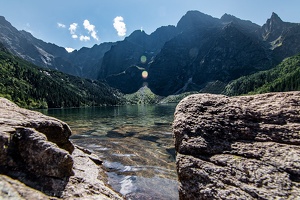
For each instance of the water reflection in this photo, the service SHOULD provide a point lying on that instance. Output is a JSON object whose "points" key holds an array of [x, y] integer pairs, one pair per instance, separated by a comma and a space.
{"points": [[135, 143]]}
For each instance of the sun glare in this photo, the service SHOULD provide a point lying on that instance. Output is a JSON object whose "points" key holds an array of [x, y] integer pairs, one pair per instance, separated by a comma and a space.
{"points": [[144, 74], [143, 59]]}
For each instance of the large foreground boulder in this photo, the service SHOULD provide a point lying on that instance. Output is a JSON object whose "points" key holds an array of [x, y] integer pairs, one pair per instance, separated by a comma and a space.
{"points": [[37, 160], [244, 147]]}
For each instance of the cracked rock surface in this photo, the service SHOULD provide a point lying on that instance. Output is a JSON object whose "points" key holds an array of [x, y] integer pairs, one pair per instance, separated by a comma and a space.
{"points": [[244, 147], [38, 161]]}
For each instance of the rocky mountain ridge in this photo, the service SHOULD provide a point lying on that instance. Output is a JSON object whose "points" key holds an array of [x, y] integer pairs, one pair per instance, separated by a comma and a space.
{"points": [[221, 51], [24, 45], [79, 63], [205, 50], [199, 50]]}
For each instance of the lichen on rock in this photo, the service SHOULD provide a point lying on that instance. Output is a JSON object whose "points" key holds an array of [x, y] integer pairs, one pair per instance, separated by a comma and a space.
{"points": [[244, 147]]}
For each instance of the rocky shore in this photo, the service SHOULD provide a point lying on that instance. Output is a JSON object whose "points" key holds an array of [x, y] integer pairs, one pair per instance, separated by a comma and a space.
{"points": [[244, 147], [38, 161]]}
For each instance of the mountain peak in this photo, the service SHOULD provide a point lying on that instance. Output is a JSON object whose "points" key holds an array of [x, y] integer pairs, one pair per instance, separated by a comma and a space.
{"points": [[273, 28], [275, 21], [2, 19], [4, 22], [247, 25], [137, 36], [227, 17], [275, 17], [195, 19]]}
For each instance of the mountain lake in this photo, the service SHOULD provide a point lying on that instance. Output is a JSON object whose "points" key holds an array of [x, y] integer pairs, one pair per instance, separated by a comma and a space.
{"points": [[135, 143]]}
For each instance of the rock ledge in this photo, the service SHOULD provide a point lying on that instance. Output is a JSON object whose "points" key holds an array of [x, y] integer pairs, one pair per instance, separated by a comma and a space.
{"points": [[37, 160]]}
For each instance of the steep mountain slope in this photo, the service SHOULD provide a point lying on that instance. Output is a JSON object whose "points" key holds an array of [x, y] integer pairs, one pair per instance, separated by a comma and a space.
{"points": [[283, 37], [246, 25], [123, 64], [274, 27], [89, 60], [35, 87], [204, 51], [83, 62], [284, 77], [207, 50], [24, 45]]}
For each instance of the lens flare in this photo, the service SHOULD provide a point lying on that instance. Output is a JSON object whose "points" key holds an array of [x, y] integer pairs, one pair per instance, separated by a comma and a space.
{"points": [[144, 74], [143, 59]]}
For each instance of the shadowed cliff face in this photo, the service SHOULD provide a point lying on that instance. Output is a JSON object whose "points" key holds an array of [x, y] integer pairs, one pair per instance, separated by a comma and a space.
{"points": [[240, 147], [134, 54], [274, 27], [208, 50], [216, 53], [282, 37]]}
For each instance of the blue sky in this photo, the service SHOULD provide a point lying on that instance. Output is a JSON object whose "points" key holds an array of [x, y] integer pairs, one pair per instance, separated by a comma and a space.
{"points": [[79, 23]]}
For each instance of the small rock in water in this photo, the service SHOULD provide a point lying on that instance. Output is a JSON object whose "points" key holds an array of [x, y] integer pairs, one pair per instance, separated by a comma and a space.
{"points": [[150, 138]]}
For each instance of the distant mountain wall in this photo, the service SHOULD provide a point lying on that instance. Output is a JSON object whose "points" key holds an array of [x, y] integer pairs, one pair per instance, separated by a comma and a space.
{"points": [[198, 51]]}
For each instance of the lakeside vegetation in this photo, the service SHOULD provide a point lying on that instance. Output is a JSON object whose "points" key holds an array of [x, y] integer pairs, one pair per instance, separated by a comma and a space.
{"points": [[143, 96], [146, 96]]}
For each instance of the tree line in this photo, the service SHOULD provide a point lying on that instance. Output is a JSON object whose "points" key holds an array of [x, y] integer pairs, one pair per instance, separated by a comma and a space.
{"points": [[284, 77]]}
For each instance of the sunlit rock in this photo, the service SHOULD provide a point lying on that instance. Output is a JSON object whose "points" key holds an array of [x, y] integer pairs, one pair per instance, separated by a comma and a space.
{"points": [[238, 148], [35, 149]]}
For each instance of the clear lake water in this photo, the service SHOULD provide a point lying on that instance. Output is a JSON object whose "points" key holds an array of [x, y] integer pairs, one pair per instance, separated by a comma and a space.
{"points": [[134, 141]]}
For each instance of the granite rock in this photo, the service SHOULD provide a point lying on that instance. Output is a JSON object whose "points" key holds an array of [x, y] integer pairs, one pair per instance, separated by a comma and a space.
{"points": [[244, 147], [37, 160], [14, 189], [55, 130]]}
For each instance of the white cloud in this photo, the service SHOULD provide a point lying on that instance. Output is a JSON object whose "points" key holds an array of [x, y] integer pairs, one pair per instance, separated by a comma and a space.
{"points": [[76, 32], [60, 25], [73, 28], [120, 26], [91, 29], [68, 49], [84, 38]]}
